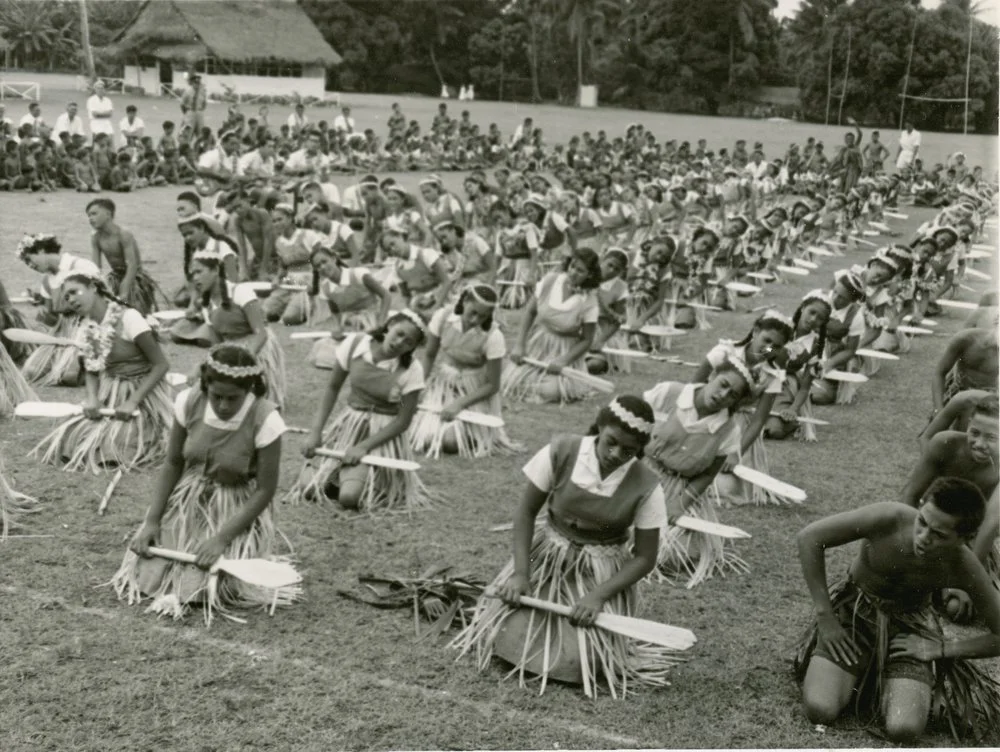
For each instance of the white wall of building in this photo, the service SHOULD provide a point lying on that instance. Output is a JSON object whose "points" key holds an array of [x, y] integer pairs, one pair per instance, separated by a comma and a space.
{"points": [[311, 84], [147, 78]]}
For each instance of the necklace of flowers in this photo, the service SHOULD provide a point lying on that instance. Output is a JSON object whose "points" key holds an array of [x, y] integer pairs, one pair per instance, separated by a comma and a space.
{"points": [[98, 338]]}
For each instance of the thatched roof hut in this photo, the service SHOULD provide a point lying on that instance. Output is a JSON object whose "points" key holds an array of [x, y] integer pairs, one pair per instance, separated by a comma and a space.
{"points": [[227, 30]]}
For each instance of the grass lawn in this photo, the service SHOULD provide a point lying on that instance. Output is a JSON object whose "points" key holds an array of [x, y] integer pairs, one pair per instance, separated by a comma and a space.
{"points": [[81, 671]]}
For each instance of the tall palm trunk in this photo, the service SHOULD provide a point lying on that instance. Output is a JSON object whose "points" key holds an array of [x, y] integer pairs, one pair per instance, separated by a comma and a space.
{"points": [[536, 94], [88, 52], [732, 58], [579, 66]]}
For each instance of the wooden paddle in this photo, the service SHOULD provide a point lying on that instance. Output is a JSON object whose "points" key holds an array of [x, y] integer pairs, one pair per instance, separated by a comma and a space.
{"points": [[964, 305], [270, 287], [738, 287], [623, 353], [175, 379], [656, 330], [103, 505], [765, 481], [876, 354], [973, 255], [895, 215], [470, 416], [912, 329], [880, 226], [175, 315], [762, 276], [846, 376], [692, 304], [805, 264], [57, 410], [976, 274], [510, 283], [817, 251], [31, 337], [260, 572], [806, 421], [925, 322], [793, 270], [22, 300], [602, 385], [687, 522], [373, 459], [643, 630]]}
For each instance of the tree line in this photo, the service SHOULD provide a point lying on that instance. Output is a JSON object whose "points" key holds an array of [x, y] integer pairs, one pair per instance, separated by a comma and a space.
{"points": [[707, 57]]}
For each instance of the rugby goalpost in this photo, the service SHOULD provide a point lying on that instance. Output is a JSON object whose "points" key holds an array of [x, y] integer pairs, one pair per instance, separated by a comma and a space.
{"points": [[952, 100], [20, 90]]}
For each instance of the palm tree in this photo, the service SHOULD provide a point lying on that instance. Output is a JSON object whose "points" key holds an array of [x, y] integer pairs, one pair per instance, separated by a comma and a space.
{"points": [[29, 29], [433, 24], [88, 52], [583, 19]]}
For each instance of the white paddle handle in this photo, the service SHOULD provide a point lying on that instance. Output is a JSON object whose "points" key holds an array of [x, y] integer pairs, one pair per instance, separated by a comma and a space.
{"points": [[168, 553], [372, 459]]}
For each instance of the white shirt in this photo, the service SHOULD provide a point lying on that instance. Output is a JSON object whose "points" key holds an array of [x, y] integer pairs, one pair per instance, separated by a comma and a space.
{"points": [[340, 123], [296, 123], [338, 231], [253, 162], [495, 347], [100, 109], [909, 141], [687, 415], [217, 159], [269, 432], [756, 171], [73, 127], [31, 120], [352, 200], [718, 355], [300, 160], [555, 299], [856, 327], [133, 325], [68, 265], [354, 275], [136, 128], [411, 380], [652, 512]]}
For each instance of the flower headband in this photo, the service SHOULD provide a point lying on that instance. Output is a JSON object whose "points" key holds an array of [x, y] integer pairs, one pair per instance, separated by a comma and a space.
{"points": [[629, 418], [234, 372], [742, 367], [775, 315], [414, 318], [206, 254], [817, 294], [28, 242], [431, 180]]}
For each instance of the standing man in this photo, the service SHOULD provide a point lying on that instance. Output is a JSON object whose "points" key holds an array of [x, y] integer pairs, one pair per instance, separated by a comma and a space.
{"points": [[69, 122], [297, 121], [875, 154], [218, 168], [193, 103], [100, 108], [344, 123], [909, 147]]}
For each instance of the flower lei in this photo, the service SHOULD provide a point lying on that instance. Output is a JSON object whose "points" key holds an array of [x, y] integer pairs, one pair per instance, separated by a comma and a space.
{"points": [[28, 242], [98, 338]]}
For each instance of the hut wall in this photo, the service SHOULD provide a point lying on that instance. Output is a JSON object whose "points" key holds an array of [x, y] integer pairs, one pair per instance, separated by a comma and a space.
{"points": [[312, 83], [146, 77]]}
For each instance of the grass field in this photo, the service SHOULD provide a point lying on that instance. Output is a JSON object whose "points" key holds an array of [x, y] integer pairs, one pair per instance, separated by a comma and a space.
{"points": [[80, 671]]}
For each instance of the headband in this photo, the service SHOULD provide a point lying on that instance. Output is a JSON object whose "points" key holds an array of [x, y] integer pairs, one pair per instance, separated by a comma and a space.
{"points": [[629, 418], [817, 294], [235, 372], [616, 251], [431, 180], [28, 242], [882, 258], [414, 318], [742, 367], [397, 188], [444, 225], [773, 314], [286, 208], [206, 254], [481, 299]]}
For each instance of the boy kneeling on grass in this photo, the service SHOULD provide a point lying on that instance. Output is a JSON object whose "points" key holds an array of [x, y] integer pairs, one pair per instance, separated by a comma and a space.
{"points": [[875, 640]]}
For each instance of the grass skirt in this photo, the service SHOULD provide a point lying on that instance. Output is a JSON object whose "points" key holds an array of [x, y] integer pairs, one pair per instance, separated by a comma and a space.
{"points": [[688, 554], [531, 384], [634, 307], [965, 697], [55, 365], [535, 640], [385, 489], [14, 506], [142, 296], [790, 389], [427, 432], [106, 443], [515, 270], [13, 386], [196, 510], [11, 318]]}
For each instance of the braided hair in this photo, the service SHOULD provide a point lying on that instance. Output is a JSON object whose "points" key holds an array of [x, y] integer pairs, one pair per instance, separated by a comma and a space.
{"points": [[216, 265], [321, 250], [98, 284], [819, 346]]}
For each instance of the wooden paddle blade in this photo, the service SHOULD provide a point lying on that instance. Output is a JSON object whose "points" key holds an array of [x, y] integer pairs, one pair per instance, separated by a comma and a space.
{"points": [[846, 376], [742, 287], [657, 330], [311, 335], [169, 315], [601, 385], [926, 322], [895, 215], [471, 416], [762, 276], [792, 270], [175, 379], [261, 572], [962, 304], [374, 460], [817, 251], [805, 421], [31, 337], [976, 274], [765, 481], [47, 410], [21, 300], [643, 630], [711, 528], [876, 354], [624, 353], [805, 264], [913, 330]]}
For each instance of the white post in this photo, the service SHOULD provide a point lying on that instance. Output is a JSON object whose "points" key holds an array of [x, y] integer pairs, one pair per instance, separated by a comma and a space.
{"points": [[968, 71]]}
